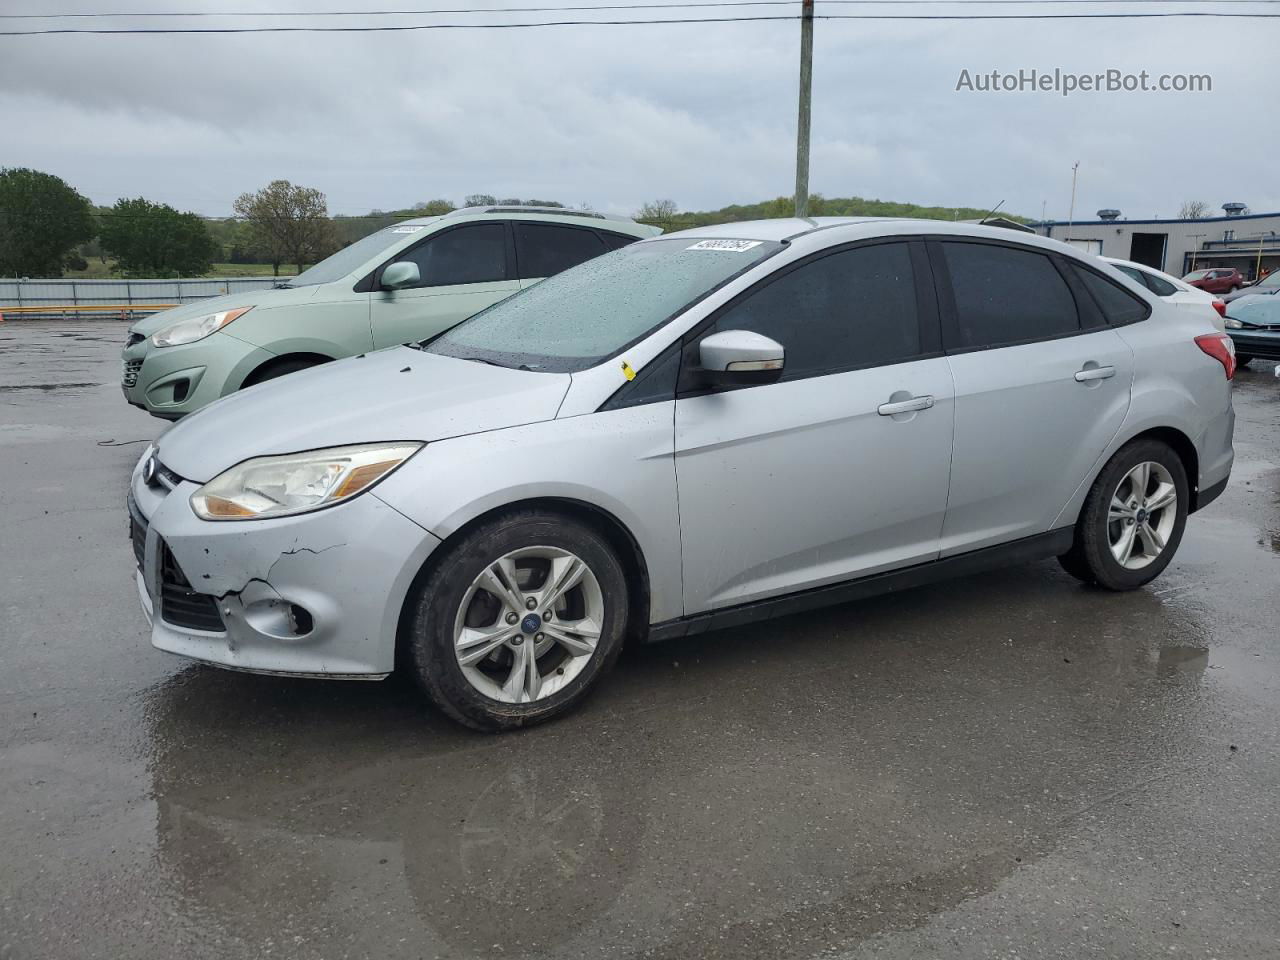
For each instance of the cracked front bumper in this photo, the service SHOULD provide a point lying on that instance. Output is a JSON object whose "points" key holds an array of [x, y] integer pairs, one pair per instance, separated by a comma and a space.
{"points": [[348, 567]]}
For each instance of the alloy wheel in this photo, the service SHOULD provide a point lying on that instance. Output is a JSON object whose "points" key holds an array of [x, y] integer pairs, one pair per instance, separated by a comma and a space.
{"points": [[528, 624], [1142, 515]]}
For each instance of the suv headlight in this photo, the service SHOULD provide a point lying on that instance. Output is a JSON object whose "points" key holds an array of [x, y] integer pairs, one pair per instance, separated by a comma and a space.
{"points": [[197, 328], [1231, 323], [297, 482]]}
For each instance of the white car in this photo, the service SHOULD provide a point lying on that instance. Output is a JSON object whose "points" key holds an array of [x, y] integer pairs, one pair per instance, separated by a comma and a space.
{"points": [[1174, 291]]}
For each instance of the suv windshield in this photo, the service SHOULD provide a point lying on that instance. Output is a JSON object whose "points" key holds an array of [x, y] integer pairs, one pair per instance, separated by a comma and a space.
{"points": [[352, 256], [593, 311], [1196, 275]]}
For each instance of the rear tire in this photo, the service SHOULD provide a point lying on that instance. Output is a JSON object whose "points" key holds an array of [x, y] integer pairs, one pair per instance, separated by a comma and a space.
{"points": [[1133, 518], [490, 659]]}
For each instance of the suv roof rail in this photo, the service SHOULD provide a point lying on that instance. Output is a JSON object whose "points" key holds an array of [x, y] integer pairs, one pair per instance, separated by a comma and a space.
{"points": [[552, 211]]}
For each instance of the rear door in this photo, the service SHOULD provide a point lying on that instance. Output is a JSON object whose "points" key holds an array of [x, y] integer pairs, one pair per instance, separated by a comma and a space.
{"points": [[840, 468], [1042, 385], [462, 270], [545, 249]]}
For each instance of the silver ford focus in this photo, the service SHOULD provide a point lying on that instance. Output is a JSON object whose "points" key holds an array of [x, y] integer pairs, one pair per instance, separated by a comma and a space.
{"points": [[701, 429]]}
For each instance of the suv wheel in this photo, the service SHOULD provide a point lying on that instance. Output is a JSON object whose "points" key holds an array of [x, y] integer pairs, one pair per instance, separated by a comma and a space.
{"points": [[1132, 520], [517, 622]]}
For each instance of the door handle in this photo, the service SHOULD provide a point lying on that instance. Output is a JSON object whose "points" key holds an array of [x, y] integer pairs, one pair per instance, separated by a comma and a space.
{"points": [[905, 406], [1094, 373]]}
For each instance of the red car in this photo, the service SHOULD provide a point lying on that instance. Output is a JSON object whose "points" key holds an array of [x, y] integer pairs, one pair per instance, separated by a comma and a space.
{"points": [[1218, 280]]}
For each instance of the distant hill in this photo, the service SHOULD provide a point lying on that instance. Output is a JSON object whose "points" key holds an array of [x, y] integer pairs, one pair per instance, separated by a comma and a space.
{"points": [[820, 206]]}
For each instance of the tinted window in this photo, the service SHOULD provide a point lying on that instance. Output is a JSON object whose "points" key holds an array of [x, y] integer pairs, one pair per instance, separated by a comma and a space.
{"points": [[476, 253], [543, 250], [1118, 306], [615, 240], [853, 308], [1159, 286], [1004, 295], [1132, 273]]}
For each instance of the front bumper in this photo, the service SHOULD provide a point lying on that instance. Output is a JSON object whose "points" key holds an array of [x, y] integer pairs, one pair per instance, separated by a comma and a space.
{"points": [[171, 382], [1263, 344], [347, 568]]}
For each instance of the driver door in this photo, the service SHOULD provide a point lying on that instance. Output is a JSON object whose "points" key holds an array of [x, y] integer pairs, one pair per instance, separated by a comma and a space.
{"points": [[838, 470], [461, 271]]}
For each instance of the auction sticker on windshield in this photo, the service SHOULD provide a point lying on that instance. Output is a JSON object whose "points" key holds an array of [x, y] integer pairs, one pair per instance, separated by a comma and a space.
{"points": [[734, 246]]}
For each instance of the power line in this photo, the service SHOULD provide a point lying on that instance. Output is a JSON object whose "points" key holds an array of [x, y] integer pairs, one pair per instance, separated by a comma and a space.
{"points": [[585, 7], [404, 28]]}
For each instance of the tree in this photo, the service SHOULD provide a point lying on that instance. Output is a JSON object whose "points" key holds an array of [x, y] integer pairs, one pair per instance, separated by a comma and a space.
{"points": [[479, 200], [155, 240], [660, 213], [433, 208], [289, 224], [42, 219], [1193, 210]]}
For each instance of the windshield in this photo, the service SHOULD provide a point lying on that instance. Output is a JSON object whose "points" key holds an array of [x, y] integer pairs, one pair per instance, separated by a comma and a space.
{"points": [[1270, 280], [578, 318], [1196, 275], [351, 257]]}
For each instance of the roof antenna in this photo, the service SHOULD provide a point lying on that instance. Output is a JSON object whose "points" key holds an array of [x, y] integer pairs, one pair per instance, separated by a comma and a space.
{"points": [[993, 210]]}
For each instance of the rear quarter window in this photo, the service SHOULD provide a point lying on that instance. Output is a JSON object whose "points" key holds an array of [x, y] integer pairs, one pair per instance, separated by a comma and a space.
{"points": [[1118, 305]]}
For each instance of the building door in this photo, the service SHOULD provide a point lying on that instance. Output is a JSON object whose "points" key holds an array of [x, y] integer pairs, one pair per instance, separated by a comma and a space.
{"points": [[1149, 248]]}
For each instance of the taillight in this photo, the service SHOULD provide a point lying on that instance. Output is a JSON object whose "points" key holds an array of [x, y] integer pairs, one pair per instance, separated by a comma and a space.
{"points": [[1220, 347], [1221, 307]]}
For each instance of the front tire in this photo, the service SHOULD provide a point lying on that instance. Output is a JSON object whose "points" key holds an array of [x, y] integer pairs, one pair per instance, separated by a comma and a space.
{"points": [[517, 622], [1133, 518]]}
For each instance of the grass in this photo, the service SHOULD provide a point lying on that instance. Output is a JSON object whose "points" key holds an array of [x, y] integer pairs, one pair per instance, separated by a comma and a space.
{"points": [[97, 270]]}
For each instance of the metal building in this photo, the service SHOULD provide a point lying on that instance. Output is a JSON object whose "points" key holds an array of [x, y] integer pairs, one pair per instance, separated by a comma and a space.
{"points": [[1250, 242]]}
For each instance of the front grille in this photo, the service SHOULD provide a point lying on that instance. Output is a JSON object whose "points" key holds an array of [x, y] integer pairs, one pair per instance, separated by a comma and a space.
{"points": [[179, 604], [131, 370], [138, 533]]}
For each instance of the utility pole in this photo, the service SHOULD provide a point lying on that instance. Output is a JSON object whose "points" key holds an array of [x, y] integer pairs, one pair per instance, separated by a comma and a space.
{"points": [[1196, 237], [806, 95], [1071, 214]]}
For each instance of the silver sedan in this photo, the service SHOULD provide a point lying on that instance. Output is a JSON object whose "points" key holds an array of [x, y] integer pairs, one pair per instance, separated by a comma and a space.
{"points": [[706, 428]]}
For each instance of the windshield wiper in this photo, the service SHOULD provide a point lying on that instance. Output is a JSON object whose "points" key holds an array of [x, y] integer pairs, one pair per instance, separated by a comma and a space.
{"points": [[282, 286], [491, 363]]}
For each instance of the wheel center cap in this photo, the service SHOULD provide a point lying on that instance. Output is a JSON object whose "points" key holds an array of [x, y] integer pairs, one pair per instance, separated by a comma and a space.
{"points": [[531, 623], [1142, 515]]}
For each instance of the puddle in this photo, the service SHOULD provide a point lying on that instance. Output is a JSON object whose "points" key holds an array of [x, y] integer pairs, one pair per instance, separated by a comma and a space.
{"points": [[49, 386]]}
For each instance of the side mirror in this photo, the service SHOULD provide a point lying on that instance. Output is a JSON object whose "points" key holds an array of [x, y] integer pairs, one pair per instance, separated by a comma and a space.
{"points": [[740, 357], [400, 274]]}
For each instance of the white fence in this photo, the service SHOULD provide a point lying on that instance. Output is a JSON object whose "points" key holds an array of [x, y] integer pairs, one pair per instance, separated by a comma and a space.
{"points": [[46, 297]]}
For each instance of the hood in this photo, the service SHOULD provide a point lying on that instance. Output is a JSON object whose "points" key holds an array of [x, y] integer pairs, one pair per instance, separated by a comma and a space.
{"points": [[1257, 311], [394, 394], [266, 296]]}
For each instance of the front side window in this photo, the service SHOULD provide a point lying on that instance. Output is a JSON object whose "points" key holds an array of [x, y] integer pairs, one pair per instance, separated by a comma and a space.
{"points": [[473, 253], [578, 318], [854, 308], [544, 249], [1007, 295]]}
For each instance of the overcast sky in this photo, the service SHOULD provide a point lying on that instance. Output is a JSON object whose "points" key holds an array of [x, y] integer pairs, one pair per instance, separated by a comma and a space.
{"points": [[701, 113]]}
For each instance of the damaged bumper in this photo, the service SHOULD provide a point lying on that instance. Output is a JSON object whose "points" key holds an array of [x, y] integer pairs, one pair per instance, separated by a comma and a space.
{"points": [[317, 594]]}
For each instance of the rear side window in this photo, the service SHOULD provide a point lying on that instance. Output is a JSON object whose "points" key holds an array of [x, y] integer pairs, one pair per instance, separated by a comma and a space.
{"points": [[475, 253], [855, 308], [615, 240], [543, 249], [1117, 305], [1159, 286], [1005, 295]]}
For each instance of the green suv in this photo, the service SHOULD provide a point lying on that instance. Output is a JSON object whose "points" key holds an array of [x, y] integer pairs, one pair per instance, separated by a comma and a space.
{"points": [[406, 282]]}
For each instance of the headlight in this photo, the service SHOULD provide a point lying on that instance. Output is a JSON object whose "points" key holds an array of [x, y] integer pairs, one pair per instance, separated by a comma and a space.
{"points": [[297, 482], [1231, 323], [197, 328]]}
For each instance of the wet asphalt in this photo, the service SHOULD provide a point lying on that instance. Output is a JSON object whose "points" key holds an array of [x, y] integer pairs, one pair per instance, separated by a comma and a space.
{"points": [[1008, 765]]}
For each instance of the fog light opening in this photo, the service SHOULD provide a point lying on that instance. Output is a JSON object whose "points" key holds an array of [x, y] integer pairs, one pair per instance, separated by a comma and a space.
{"points": [[300, 621], [180, 390]]}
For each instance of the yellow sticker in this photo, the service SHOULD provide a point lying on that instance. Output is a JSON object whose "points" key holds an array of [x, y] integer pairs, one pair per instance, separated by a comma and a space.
{"points": [[627, 371]]}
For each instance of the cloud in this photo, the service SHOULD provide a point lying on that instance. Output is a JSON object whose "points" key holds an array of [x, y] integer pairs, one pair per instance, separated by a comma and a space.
{"points": [[704, 114]]}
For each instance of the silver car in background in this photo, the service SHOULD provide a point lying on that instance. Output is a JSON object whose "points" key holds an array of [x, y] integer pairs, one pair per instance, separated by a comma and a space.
{"points": [[698, 430]]}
